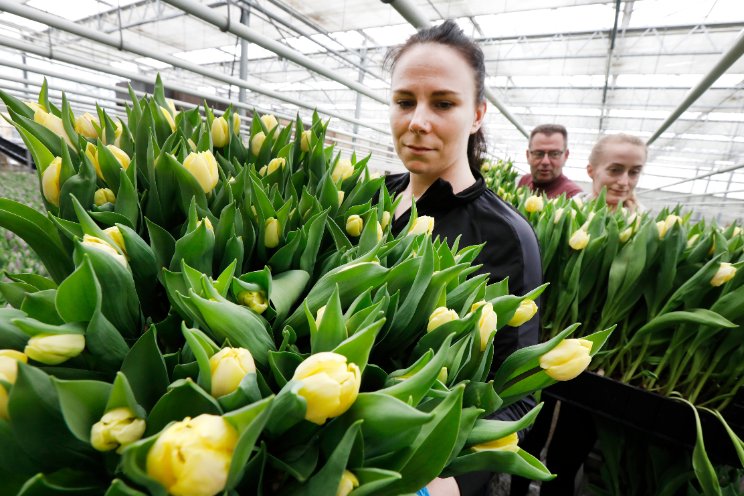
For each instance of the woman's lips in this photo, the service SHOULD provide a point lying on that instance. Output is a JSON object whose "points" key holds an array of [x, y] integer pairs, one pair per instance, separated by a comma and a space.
{"points": [[418, 149]]}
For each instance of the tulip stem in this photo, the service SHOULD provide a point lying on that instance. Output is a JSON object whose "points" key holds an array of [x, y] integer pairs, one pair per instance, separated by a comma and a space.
{"points": [[704, 380]]}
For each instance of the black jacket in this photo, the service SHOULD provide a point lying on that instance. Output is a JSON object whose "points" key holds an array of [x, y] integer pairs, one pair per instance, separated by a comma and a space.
{"points": [[477, 215]]}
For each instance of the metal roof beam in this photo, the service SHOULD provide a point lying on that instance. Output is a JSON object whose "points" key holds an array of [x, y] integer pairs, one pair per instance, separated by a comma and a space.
{"points": [[224, 23], [118, 42], [726, 61]]}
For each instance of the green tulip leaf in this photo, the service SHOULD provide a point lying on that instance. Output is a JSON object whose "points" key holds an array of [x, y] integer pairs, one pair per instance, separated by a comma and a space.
{"points": [[40, 305], [203, 348], [83, 404], [327, 479], [183, 399], [286, 288], [249, 421], [357, 348], [145, 370], [64, 482], [104, 343], [518, 463], [134, 463], [119, 488], [38, 422], [41, 235], [122, 396], [79, 296]]}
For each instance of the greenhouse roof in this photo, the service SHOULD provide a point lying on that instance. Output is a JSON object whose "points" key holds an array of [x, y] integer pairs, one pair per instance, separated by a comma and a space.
{"points": [[595, 66]]}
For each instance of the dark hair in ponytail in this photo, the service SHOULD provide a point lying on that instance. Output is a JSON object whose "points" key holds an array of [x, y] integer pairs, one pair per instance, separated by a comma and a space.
{"points": [[449, 33]]}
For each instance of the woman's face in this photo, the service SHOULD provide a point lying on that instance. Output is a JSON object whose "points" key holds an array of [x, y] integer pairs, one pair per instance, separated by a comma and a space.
{"points": [[618, 170], [433, 110]]}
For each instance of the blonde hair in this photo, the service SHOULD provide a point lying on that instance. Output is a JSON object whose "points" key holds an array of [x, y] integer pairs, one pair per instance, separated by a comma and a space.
{"points": [[599, 146]]}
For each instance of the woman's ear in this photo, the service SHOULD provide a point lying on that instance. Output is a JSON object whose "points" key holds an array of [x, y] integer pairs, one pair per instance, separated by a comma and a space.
{"points": [[480, 114], [590, 170]]}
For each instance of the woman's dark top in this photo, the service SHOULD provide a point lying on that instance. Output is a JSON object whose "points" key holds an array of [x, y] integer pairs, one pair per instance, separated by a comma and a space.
{"points": [[477, 214]]}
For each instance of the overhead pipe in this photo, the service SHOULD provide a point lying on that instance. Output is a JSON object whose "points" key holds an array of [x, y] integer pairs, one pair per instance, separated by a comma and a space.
{"points": [[417, 19], [726, 61], [224, 23], [121, 44], [701, 176], [275, 18], [27, 47]]}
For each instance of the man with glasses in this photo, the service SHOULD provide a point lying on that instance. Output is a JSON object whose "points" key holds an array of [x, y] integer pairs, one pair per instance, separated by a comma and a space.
{"points": [[547, 153]]}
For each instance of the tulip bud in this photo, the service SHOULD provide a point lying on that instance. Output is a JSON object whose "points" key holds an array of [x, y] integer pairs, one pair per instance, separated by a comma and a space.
{"points": [[348, 483], [423, 225], [50, 186], [579, 239], [171, 106], [3, 403], [203, 166], [506, 443], [330, 385], [228, 367], [527, 309], [485, 167], [664, 225], [35, 106], [53, 123], [568, 359], [120, 155], [101, 245], [116, 429], [236, 123], [168, 118], [84, 126], [52, 349], [354, 225], [725, 273], [305, 141], [341, 195], [692, 240], [342, 170], [257, 142], [115, 234], [9, 364], [255, 300], [486, 323], [380, 233], [319, 315], [220, 132], [262, 170], [440, 316], [625, 234], [192, 457], [385, 220], [103, 196], [558, 215], [533, 204], [736, 232], [206, 222], [442, 375], [272, 231], [275, 164], [578, 202], [269, 121]]}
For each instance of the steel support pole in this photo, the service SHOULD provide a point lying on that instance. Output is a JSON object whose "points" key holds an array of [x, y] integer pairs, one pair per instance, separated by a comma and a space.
{"points": [[121, 44], [417, 19], [726, 61], [245, 17], [224, 23]]}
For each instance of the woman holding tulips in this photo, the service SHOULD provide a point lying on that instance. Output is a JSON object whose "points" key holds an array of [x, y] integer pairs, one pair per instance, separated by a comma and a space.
{"points": [[436, 115]]}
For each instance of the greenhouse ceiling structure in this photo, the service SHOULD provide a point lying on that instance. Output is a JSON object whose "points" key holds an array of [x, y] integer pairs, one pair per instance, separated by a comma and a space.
{"points": [[669, 71]]}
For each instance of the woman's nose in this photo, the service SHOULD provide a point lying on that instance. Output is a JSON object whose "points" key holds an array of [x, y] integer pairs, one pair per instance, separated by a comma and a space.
{"points": [[420, 121]]}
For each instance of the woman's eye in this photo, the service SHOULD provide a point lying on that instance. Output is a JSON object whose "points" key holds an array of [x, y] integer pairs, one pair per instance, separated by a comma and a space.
{"points": [[404, 103], [444, 105]]}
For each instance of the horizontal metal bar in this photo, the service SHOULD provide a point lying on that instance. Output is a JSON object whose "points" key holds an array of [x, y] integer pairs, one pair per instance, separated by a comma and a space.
{"points": [[224, 23], [701, 176], [121, 44]]}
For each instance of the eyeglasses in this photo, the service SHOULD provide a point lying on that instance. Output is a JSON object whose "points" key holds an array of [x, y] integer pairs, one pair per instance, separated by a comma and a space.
{"points": [[540, 154]]}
